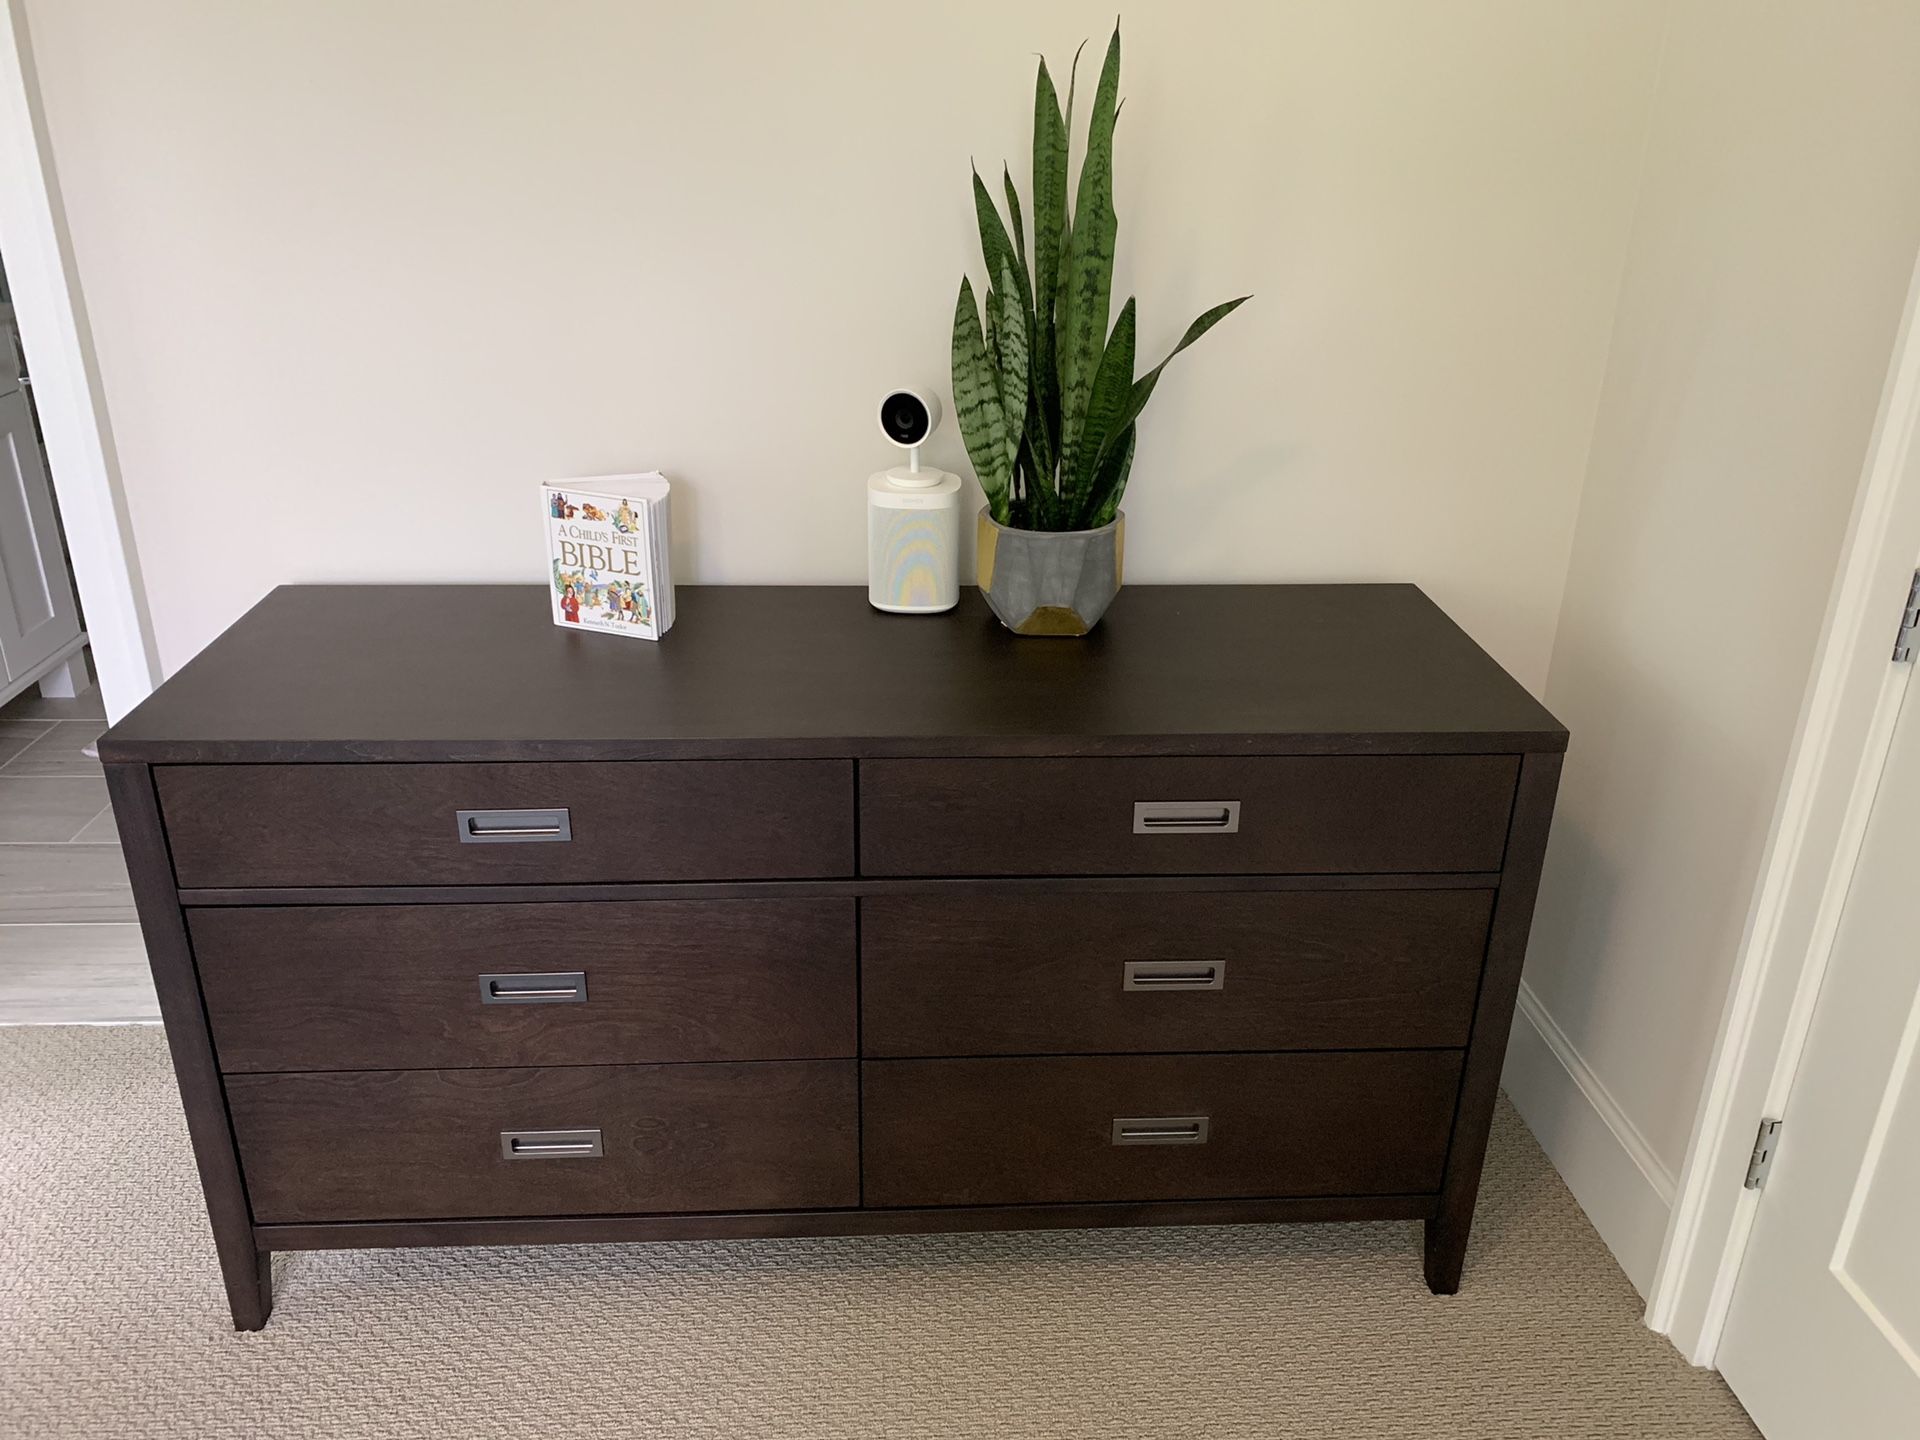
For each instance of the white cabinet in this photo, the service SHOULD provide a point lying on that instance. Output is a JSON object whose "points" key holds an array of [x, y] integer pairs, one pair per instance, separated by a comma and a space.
{"points": [[39, 619]]}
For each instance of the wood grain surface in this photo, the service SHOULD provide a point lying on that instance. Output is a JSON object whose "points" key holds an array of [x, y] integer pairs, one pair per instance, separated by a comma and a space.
{"points": [[425, 1144], [1034, 975], [1027, 1131], [1299, 814], [387, 987], [247, 825], [480, 672], [940, 1219], [788, 802], [1448, 1230], [243, 1267]]}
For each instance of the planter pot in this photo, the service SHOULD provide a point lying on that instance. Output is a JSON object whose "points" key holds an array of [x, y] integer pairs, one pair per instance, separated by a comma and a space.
{"points": [[1049, 582]]}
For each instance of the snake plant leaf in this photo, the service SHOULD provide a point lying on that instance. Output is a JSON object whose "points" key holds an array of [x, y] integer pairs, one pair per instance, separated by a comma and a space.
{"points": [[1143, 387], [1112, 388], [1083, 324], [1073, 79], [1013, 214], [1049, 246], [1111, 483], [996, 244], [1026, 274], [1010, 334], [1039, 461], [976, 404], [1044, 393], [1066, 221], [1039, 488]]}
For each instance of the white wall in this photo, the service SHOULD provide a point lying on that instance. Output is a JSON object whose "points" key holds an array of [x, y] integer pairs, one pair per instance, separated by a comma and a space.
{"points": [[361, 272], [1770, 257]]}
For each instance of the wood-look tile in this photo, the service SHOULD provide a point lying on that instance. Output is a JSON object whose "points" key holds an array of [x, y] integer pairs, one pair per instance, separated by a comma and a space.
{"points": [[63, 883], [59, 750], [17, 735], [44, 810], [101, 830], [74, 975], [32, 705]]}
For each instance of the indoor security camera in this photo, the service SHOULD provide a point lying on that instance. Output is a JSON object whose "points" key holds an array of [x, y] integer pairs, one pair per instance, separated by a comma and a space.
{"points": [[907, 418]]}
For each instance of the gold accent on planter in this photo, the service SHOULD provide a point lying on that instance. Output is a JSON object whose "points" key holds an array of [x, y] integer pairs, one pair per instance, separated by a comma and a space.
{"points": [[1119, 551], [1053, 620], [1048, 582]]}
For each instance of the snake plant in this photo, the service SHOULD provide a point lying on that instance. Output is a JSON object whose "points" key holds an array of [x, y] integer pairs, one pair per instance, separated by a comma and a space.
{"points": [[1045, 393]]}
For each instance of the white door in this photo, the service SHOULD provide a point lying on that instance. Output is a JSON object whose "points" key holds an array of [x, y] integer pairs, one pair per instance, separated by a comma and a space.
{"points": [[38, 616], [1823, 1340]]}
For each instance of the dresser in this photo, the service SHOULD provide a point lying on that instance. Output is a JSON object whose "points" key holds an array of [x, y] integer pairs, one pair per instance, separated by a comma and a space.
{"points": [[813, 920]]}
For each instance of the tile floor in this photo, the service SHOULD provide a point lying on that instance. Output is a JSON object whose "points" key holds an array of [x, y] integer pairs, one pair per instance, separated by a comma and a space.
{"points": [[69, 949]]}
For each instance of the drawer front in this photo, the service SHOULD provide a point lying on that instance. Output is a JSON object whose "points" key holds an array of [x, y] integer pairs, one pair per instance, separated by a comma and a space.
{"points": [[388, 987], [299, 825], [428, 1144], [1076, 974], [1179, 816], [1156, 1127]]}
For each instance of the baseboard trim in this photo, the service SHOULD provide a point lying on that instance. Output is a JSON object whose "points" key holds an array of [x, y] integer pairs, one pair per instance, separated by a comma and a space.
{"points": [[1606, 1162]]}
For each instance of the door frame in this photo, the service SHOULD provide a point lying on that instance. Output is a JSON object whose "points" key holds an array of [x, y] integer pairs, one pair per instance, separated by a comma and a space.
{"points": [[1819, 825], [66, 384]]}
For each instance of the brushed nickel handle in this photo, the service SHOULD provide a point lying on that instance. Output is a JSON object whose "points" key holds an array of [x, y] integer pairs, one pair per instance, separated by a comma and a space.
{"points": [[496, 827], [549, 1144], [1160, 1130], [560, 987], [1170, 975], [1186, 817]]}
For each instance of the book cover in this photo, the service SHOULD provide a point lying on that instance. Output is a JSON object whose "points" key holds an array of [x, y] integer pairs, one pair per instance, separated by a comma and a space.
{"points": [[606, 546]]}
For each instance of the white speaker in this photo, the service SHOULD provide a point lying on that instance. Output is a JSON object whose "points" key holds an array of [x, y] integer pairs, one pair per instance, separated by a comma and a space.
{"points": [[913, 517], [913, 541]]}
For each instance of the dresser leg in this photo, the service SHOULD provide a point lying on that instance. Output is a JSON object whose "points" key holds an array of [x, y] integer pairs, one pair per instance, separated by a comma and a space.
{"points": [[1452, 1221], [136, 810], [250, 1290], [1446, 1253]]}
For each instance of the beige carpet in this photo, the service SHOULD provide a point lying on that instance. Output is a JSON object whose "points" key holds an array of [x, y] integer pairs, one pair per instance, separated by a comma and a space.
{"points": [[112, 1321]]}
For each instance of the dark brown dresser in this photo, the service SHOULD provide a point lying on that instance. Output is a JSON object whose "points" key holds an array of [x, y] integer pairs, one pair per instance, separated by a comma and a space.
{"points": [[813, 920]]}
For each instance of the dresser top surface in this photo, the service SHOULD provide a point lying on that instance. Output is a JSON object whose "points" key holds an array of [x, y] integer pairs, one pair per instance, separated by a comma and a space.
{"points": [[480, 672]]}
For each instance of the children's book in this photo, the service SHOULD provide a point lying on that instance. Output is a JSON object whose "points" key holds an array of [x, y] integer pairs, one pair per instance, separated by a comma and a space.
{"points": [[607, 548]]}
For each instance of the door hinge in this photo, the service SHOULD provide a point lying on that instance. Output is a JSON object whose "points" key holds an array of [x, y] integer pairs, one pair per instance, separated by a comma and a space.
{"points": [[1909, 635], [1764, 1144]]}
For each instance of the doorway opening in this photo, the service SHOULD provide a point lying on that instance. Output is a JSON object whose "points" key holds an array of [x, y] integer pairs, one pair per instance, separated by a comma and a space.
{"points": [[42, 639], [69, 950]]}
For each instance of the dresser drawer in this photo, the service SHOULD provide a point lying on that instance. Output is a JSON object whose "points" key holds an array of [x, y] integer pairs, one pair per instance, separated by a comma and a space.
{"points": [[301, 825], [1181, 816], [429, 1144], [387, 987], [1074, 974], [1155, 1127]]}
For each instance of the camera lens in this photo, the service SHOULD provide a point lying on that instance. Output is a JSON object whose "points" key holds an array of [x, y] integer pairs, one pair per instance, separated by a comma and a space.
{"points": [[904, 417]]}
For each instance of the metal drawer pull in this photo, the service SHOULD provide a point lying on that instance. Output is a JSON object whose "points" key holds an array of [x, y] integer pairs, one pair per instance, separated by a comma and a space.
{"points": [[1160, 1130], [500, 827], [549, 1144], [1168, 975], [1186, 817], [562, 987]]}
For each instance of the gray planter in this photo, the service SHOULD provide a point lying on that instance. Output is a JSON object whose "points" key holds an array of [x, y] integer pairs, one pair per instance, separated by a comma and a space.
{"points": [[1049, 582]]}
